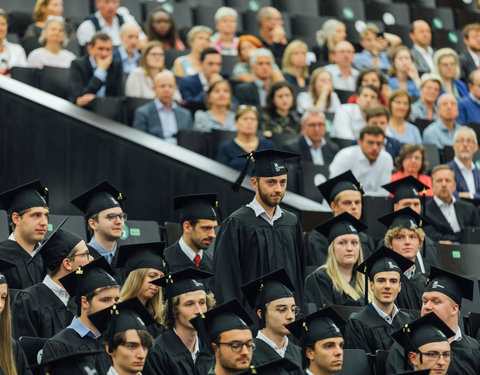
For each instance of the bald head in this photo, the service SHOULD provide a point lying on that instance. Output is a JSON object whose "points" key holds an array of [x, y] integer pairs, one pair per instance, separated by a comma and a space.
{"points": [[447, 108], [129, 33], [344, 54], [421, 34], [268, 18], [164, 86]]}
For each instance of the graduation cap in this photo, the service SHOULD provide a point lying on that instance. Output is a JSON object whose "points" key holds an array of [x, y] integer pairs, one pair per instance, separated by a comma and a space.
{"points": [[340, 225], [266, 163], [268, 288], [454, 286], [100, 197], [406, 188], [418, 372], [273, 366], [5, 265], [142, 255], [129, 314], [345, 181], [196, 206], [21, 198], [404, 218], [383, 260]]}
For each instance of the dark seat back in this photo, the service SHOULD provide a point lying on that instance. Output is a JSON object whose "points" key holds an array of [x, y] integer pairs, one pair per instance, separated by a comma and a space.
{"points": [[139, 231], [173, 232]]}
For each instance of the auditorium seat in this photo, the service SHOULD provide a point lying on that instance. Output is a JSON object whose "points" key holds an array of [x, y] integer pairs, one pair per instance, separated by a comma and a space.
{"points": [[55, 81], [109, 106], [204, 15], [312, 175], [432, 155], [471, 6], [217, 137], [373, 208], [389, 14], [437, 18], [228, 62], [243, 5], [139, 231], [380, 361], [297, 7], [448, 38], [425, 3], [32, 347], [194, 141], [4, 227], [25, 75], [279, 139], [135, 9], [345, 10], [75, 224], [129, 107], [78, 8], [24, 5], [344, 95], [355, 361], [209, 3], [171, 55], [403, 31], [422, 123], [465, 17], [173, 232], [182, 13], [306, 25]]}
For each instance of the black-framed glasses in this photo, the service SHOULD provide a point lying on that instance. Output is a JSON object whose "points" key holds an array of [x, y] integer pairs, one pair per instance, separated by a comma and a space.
{"points": [[84, 254], [237, 346], [114, 217], [295, 310], [435, 356]]}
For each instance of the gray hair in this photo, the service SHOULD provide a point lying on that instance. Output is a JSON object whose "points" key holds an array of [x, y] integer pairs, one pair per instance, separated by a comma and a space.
{"points": [[127, 25], [164, 72], [465, 129], [260, 52], [51, 19], [198, 29], [431, 77], [225, 11], [311, 111]]}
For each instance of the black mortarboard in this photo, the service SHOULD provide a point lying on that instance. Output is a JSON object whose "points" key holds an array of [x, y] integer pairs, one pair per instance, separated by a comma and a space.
{"points": [[32, 194], [404, 218], [225, 317], [266, 163], [129, 314], [340, 225], [342, 182], [196, 206], [142, 255], [272, 366], [100, 197], [418, 372], [408, 187], [454, 286], [5, 265]]}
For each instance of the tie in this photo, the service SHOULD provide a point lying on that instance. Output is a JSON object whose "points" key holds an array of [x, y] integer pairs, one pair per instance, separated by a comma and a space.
{"points": [[196, 260]]}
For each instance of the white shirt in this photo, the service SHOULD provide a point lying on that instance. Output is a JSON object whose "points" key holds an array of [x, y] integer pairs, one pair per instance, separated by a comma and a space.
{"points": [[338, 80], [409, 274], [386, 317], [13, 55], [111, 371], [467, 174], [41, 57], [168, 121], [203, 81], [309, 372], [189, 252], [281, 351], [372, 176], [260, 211], [448, 210], [196, 349], [317, 155], [458, 335], [37, 246], [58, 290], [348, 122], [427, 55], [475, 58]]}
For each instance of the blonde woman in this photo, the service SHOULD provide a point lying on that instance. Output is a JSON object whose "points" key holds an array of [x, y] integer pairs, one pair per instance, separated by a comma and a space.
{"points": [[332, 32], [43, 9], [447, 66], [337, 282], [198, 38], [320, 93], [294, 64]]}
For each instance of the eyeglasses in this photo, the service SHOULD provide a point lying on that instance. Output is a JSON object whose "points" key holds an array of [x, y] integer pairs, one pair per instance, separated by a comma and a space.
{"points": [[85, 254], [114, 217], [156, 54], [436, 355], [283, 310], [467, 141], [237, 346]]}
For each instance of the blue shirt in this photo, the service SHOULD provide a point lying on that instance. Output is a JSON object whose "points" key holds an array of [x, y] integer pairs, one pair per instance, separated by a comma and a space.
{"points": [[82, 329], [108, 255], [128, 64], [364, 59], [411, 135], [101, 75], [437, 134], [168, 121], [412, 89]]}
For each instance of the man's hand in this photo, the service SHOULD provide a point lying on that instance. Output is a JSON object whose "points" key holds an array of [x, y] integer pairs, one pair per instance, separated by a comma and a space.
{"points": [[279, 35], [105, 63], [464, 194], [215, 77], [85, 99]]}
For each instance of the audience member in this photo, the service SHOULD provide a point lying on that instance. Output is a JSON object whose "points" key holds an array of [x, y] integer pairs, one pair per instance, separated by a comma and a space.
{"points": [[219, 114], [467, 175], [52, 54], [399, 128], [95, 75], [313, 145], [127, 53], [294, 64], [469, 106], [331, 33], [374, 77], [198, 38], [246, 141], [402, 73], [160, 26], [11, 54], [425, 108], [139, 83], [374, 46], [378, 115], [470, 59], [447, 66], [441, 131], [272, 33], [369, 162], [350, 118], [342, 70], [422, 53], [224, 40], [163, 117], [43, 9]]}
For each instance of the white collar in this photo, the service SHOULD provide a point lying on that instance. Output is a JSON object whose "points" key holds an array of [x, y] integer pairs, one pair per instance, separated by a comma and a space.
{"points": [[386, 317], [37, 246], [260, 211], [458, 335], [203, 80], [462, 167], [196, 349], [422, 50], [310, 143], [58, 290], [189, 252], [441, 203], [280, 351]]}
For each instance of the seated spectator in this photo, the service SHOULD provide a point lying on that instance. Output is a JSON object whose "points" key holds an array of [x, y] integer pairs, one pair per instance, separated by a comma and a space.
{"points": [[422, 53], [411, 162], [402, 73], [374, 52], [127, 53], [441, 132], [374, 77], [193, 87], [280, 115], [378, 115], [163, 117], [425, 108], [312, 145], [467, 175], [294, 64], [447, 66], [224, 40], [342, 70], [320, 93], [11, 54], [246, 141], [242, 71], [470, 59], [350, 118], [469, 106], [139, 83], [218, 115], [331, 33], [52, 54], [198, 38], [400, 129], [369, 162], [160, 26], [95, 74], [108, 19], [272, 34]]}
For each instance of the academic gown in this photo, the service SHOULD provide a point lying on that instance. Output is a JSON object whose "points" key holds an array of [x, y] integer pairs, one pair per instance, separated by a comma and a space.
{"points": [[38, 312], [410, 297], [170, 356], [319, 290], [21, 363], [68, 353], [121, 273], [369, 331], [465, 359], [28, 271], [155, 329], [248, 247], [264, 353]]}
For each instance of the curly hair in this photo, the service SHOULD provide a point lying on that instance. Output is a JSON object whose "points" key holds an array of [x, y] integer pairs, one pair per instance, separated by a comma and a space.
{"points": [[408, 149]]}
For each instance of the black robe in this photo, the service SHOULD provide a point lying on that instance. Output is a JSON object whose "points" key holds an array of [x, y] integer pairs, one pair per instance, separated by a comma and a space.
{"points": [[21, 363], [38, 312], [155, 329], [319, 290], [264, 353], [465, 359], [369, 331], [317, 247], [410, 297], [170, 356], [68, 353], [248, 247], [28, 271]]}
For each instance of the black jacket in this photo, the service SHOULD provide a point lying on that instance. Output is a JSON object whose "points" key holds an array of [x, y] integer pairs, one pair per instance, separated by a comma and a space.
{"points": [[300, 146]]}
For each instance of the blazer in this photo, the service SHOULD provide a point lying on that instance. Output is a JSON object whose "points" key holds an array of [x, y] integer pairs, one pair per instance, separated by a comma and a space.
{"points": [[191, 89], [247, 93], [299, 146], [82, 81], [146, 118], [460, 180], [467, 64], [419, 62]]}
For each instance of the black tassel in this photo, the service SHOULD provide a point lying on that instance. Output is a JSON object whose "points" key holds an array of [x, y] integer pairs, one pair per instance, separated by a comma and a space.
{"points": [[238, 182]]}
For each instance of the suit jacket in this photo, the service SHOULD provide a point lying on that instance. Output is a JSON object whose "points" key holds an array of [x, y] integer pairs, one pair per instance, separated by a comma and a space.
{"points": [[146, 118], [247, 93], [419, 62], [82, 80], [191, 89], [460, 180], [467, 64], [299, 146]]}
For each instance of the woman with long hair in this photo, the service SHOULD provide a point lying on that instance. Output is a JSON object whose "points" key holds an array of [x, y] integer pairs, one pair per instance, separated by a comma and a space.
{"points": [[402, 73], [43, 9], [447, 65], [294, 64], [160, 26], [332, 32]]}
